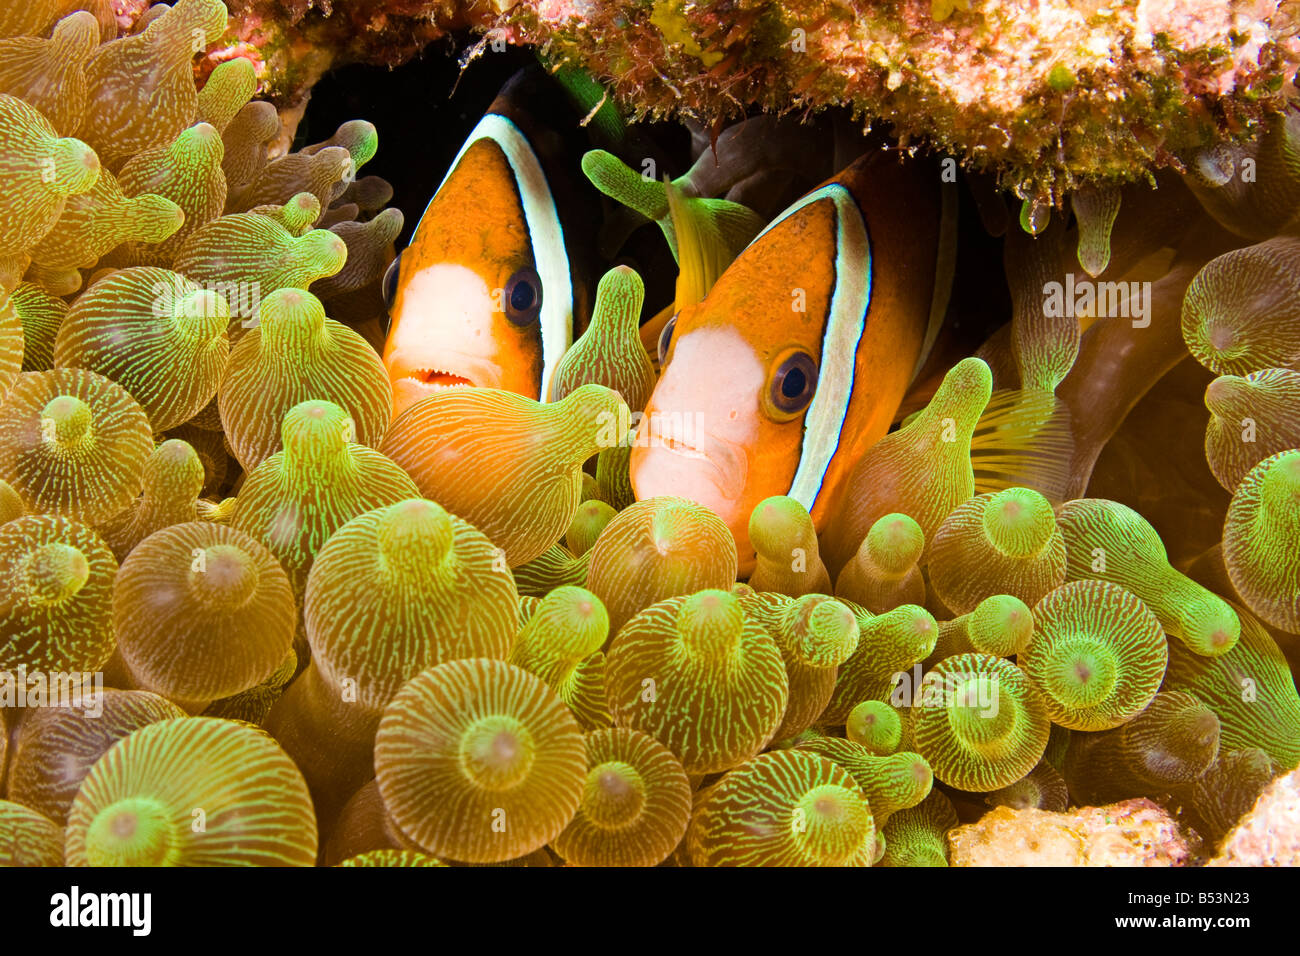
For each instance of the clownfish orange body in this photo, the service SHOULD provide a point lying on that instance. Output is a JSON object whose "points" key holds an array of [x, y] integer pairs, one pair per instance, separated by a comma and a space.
{"points": [[797, 359], [488, 291]]}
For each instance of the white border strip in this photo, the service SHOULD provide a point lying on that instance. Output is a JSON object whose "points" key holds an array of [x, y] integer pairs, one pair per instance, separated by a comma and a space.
{"points": [[850, 300]]}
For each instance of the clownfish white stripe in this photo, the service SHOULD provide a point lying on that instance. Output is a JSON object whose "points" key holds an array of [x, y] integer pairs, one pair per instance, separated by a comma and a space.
{"points": [[545, 234], [845, 324]]}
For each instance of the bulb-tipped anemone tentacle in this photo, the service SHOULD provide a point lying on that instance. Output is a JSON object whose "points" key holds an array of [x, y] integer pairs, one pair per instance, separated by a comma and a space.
{"points": [[57, 611], [891, 782], [889, 646], [479, 761], [784, 808], [561, 643], [610, 352], [788, 560], [394, 591], [1239, 314], [392, 858], [368, 256], [32, 200], [556, 567], [57, 746], [918, 836], [1215, 801], [636, 803], [1098, 655], [700, 678], [13, 341], [1251, 418], [1112, 542], [1261, 540], [526, 484], [173, 481], [1170, 744], [141, 86], [589, 521], [657, 549], [140, 803], [1002, 543], [922, 470], [1250, 689], [979, 721], [202, 611], [1043, 788], [295, 353], [156, 334], [73, 443], [875, 726], [883, 573], [816, 634], [294, 500], [28, 838]]}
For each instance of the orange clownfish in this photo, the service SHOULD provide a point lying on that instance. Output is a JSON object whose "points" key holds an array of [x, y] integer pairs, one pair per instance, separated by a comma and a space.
{"points": [[796, 360], [488, 290]]}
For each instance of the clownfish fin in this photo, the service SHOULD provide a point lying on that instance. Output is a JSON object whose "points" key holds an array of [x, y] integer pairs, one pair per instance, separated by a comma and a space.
{"points": [[1023, 439]]}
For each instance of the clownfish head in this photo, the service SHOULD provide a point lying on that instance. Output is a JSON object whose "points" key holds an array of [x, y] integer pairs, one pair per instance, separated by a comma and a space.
{"points": [[483, 295]]}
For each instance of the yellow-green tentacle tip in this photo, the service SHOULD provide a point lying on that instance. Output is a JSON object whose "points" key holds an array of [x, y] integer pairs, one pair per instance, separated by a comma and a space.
{"points": [[610, 352], [297, 353], [1251, 418], [636, 803], [700, 678], [918, 836], [588, 523], [1250, 688], [979, 721], [73, 443], [294, 500], [1261, 540], [889, 645], [1001, 625], [480, 761], [875, 726], [401, 588], [891, 782], [57, 611], [149, 802], [560, 643], [922, 470], [656, 549], [1001, 543], [1240, 312], [1112, 542], [788, 560], [28, 838], [156, 334], [784, 808], [1098, 655], [883, 572]]}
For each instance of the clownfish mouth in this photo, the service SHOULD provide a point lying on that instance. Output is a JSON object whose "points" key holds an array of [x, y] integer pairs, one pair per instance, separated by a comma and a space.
{"points": [[439, 378]]}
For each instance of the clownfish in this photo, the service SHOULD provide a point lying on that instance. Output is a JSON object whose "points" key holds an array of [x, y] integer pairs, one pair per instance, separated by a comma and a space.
{"points": [[797, 359], [497, 276]]}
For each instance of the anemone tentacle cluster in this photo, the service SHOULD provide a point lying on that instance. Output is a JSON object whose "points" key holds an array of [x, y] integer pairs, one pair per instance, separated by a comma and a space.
{"points": [[452, 636]]}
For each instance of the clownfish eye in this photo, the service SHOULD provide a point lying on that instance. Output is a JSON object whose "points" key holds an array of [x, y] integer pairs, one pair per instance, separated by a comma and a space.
{"points": [[794, 383], [522, 297], [666, 338]]}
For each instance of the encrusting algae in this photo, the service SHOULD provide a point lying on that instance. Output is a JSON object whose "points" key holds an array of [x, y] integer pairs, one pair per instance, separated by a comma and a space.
{"points": [[363, 611]]}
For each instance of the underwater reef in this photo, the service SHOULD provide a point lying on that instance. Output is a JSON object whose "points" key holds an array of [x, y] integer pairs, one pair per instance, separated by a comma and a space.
{"points": [[1051, 94], [827, 543]]}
